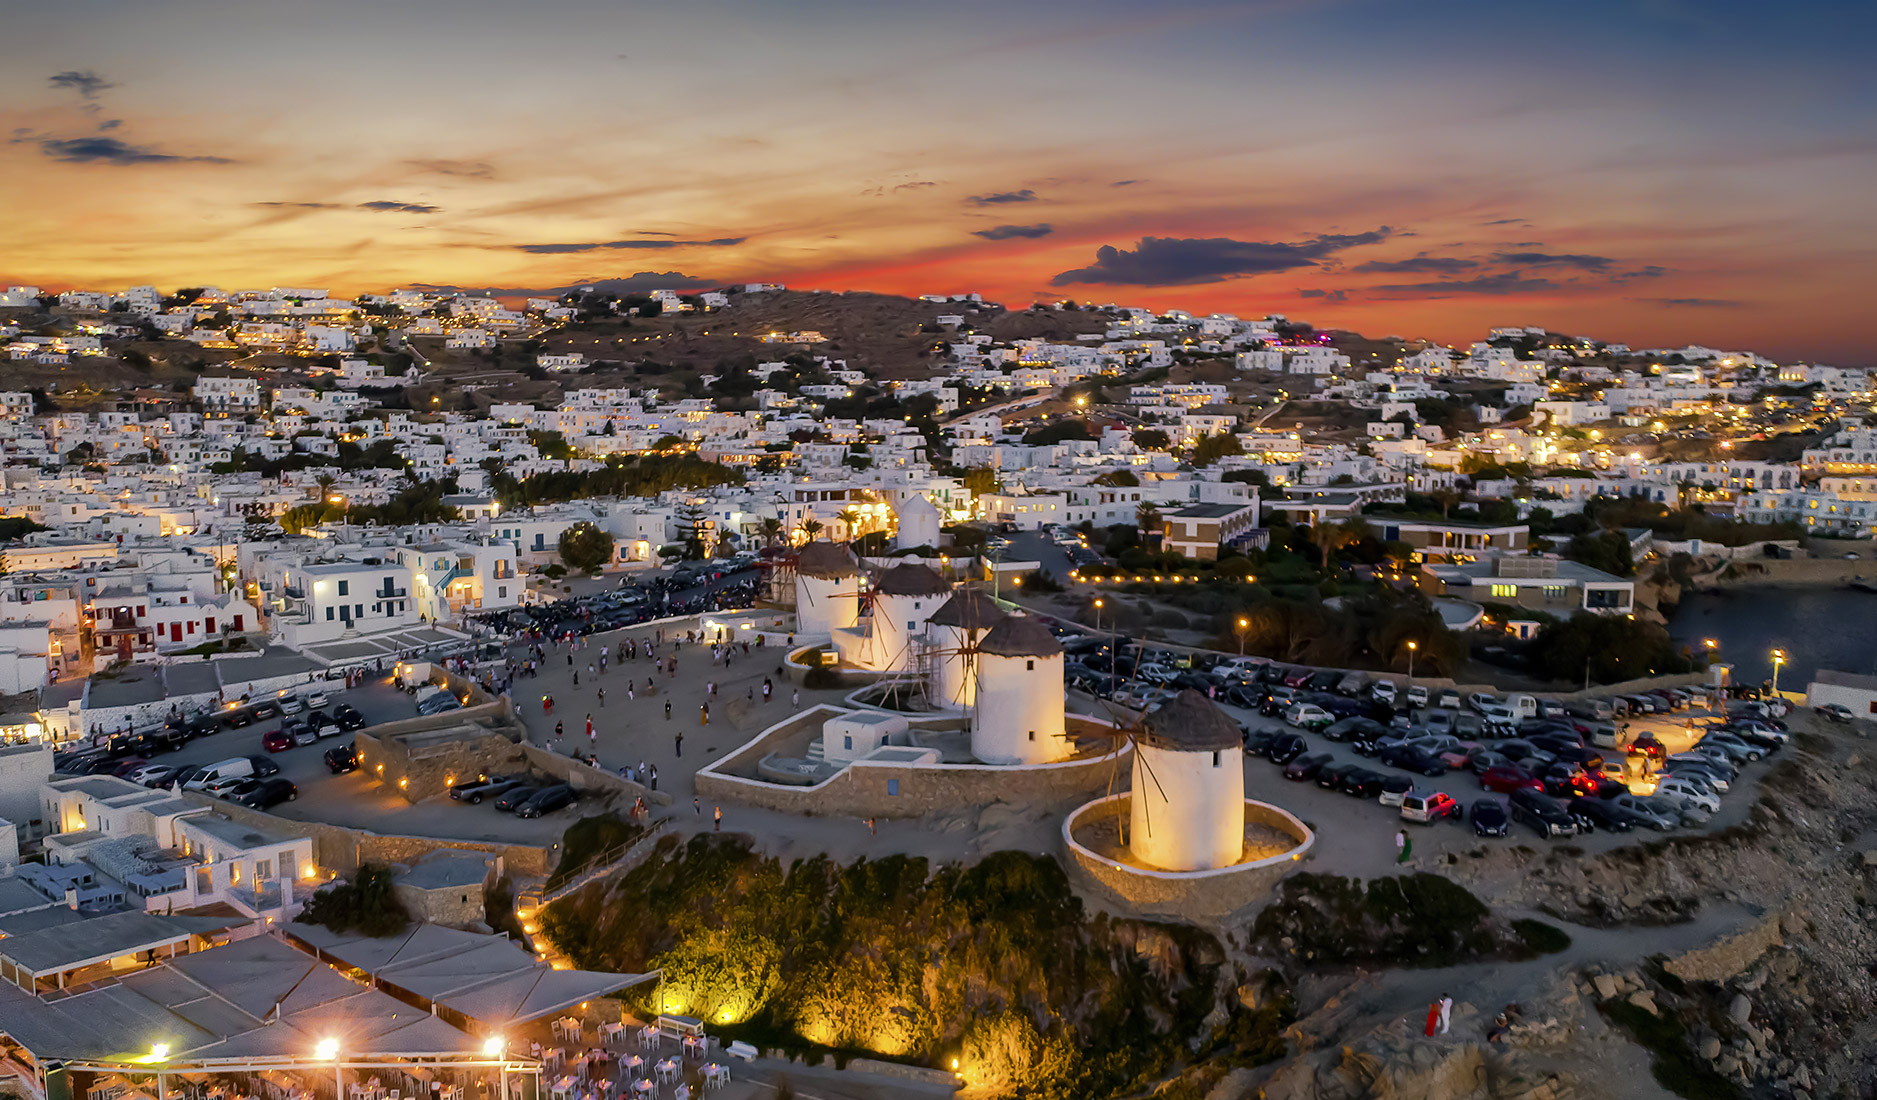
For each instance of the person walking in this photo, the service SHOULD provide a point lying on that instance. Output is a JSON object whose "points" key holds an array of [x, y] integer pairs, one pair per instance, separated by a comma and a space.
{"points": [[641, 771], [1433, 1018], [870, 829], [576, 677], [1446, 1012], [697, 807], [559, 728], [717, 815], [1404, 847], [631, 695], [677, 744], [667, 710], [651, 773], [589, 724], [603, 697], [767, 688], [795, 697], [703, 714]]}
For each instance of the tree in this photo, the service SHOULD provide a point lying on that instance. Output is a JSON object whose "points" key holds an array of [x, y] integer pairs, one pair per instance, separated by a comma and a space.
{"points": [[981, 480], [1446, 498], [1147, 518], [1151, 439], [585, 547], [694, 530], [1607, 550], [771, 529], [1214, 447], [810, 528], [366, 904], [850, 519], [1329, 538], [1118, 478]]}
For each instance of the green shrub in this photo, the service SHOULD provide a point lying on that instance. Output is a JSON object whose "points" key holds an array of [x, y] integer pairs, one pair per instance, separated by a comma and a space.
{"points": [[822, 677], [589, 839], [1541, 938], [366, 904]]}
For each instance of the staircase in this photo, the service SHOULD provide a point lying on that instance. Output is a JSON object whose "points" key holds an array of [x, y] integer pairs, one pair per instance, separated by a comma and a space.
{"points": [[529, 903]]}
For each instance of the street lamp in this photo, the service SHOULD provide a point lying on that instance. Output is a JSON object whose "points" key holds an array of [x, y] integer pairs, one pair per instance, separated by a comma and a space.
{"points": [[1242, 629], [329, 1048], [1779, 658], [1098, 615], [1412, 646]]}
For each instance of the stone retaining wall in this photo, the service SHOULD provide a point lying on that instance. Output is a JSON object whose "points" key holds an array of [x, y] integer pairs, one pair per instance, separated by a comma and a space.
{"points": [[1192, 896], [868, 788], [337, 848], [1727, 957]]}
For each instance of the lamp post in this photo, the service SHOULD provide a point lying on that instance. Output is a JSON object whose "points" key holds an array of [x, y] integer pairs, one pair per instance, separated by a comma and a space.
{"points": [[329, 1048], [1412, 646], [1098, 614], [1779, 658], [1242, 629], [492, 1048]]}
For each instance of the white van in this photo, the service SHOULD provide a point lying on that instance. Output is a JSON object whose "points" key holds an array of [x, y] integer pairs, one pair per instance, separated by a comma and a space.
{"points": [[1525, 706], [235, 767]]}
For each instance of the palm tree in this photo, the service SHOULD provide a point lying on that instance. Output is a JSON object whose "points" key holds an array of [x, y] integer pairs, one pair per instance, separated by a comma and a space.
{"points": [[325, 483], [850, 519], [1147, 518], [771, 529], [1331, 537], [810, 528], [1446, 498]]}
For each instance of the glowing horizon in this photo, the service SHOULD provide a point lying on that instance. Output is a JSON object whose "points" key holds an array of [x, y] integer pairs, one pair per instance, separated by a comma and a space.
{"points": [[1648, 172]]}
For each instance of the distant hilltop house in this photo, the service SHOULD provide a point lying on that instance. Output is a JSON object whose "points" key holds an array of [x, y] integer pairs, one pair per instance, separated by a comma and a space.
{"points": [[570, 361], [804, 336]]}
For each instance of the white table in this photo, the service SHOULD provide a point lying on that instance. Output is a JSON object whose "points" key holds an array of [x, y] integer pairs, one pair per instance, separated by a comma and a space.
{"points": [[609, 1032], [645, 1087], [649, 1037], [667, 1069]]}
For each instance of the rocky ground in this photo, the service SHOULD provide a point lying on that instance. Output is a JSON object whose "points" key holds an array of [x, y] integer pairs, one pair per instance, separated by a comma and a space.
{"points": [[1741, 964]]}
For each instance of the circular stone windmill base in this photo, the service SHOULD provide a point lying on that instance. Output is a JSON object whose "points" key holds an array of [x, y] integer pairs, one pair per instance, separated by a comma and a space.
{"points": [[1276, 843]]}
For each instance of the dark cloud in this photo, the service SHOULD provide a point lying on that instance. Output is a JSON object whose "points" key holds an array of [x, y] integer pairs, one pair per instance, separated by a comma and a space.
{"points": [[1326, 295], [1579, 261], [1126, 183], [914, 185], [110, 124], [596, 246], [999, 198], [468, 169], [1420, 265], [1177, 261], [1007, 232], [86, 83], [645, 280], [1508, 221], [108, 150], [1510, 282], [1695, 303], [386, 206], [1650, 271], [300, 205]]}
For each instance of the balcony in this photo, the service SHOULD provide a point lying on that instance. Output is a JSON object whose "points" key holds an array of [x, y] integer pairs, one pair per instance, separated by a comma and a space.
{"points": [[391, 593]]}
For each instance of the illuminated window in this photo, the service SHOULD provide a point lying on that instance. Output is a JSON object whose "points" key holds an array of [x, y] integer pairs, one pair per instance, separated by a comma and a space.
{"points": [[1505, 590]]}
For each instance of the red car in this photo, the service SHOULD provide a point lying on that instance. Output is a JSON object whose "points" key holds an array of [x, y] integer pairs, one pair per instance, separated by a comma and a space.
{"points": [[1298, 677], [1649, 747], [1506, 778], [276, 741]]}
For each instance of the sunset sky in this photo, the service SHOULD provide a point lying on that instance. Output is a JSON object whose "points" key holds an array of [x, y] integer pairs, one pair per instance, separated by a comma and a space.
{"points": [[1653, 171]]}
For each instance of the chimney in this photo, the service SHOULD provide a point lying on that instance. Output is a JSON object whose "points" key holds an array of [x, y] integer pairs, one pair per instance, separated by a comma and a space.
{"points": [[71, 897]]}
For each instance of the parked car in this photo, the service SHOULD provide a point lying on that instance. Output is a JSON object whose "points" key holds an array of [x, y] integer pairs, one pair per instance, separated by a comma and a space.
{"points": [[1835, 712], [1412, 758], [1447, 699], [276, 740], [1508, 778], [1394, 789], [342, 758], [1561, 780], [1257, 741], [1417, 696], [1648, 746], [1658, 813], [1363, 783], [1592, 814], [1689, 789], [1286, 747], [1540, 811], [1307, 766], [316, 697], [1298, 677], [1308, 716], [1331, 776], [291, 704], [262, 793], [487, 786], [1382, 691], [547, 800], [1348, 729], [1488, 816], [515, 796], [1427, 807], [1736, 749], [226, 785]]}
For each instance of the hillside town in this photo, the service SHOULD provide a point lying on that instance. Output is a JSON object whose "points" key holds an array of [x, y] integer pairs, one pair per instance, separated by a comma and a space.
{"points": [[1213, 613]]}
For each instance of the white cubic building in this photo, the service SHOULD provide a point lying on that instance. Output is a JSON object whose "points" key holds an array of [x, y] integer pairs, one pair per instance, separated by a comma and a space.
{"points": [[952, 636], [827, 590], [1019, 714], [1187, 807]]}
